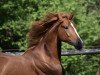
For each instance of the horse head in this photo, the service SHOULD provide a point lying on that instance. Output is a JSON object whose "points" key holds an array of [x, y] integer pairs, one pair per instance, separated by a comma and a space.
{"points": [[67, 31]]}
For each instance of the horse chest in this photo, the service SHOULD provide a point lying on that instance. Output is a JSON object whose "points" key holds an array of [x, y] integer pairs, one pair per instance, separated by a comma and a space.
{"points": [[48, 68]]}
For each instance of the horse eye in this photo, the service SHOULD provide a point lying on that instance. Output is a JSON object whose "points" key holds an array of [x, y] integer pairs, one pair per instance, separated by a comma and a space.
{"points": [[66, 27]]}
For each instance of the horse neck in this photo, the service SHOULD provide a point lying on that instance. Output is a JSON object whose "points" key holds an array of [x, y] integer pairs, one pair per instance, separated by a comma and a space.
{"points": [[50, 46], [53, 45]]}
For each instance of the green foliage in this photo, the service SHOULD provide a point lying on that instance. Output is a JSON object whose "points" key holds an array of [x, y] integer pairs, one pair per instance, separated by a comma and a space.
{"points": [[16, 17], [82, 64]]}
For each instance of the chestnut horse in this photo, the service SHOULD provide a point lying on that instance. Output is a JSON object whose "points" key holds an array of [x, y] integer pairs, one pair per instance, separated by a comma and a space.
{"points": [[44, 52]]}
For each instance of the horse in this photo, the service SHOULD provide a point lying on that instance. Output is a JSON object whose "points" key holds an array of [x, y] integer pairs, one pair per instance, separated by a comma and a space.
{"points": [[43, 55]]}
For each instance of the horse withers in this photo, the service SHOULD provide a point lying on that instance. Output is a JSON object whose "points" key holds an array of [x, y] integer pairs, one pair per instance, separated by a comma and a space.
{"points": [[44, 52]]}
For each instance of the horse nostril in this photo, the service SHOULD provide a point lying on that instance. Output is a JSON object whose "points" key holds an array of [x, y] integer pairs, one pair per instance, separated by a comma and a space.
{"points": [[79, 45]]}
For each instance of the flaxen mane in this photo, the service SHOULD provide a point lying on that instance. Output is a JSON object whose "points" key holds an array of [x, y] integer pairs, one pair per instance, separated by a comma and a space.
{"points": [[39, 28]]}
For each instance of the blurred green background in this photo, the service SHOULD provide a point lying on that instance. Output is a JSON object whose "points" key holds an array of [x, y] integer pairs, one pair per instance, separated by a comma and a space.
{"points": [[16, 17]]}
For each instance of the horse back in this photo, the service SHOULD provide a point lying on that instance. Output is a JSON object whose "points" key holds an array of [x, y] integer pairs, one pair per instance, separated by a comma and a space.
{"points": [[3, 61], [15, 65]]}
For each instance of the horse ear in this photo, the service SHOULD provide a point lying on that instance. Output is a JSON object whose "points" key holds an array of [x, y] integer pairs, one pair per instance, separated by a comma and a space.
{"points": [[70, 17], [59, 17]]}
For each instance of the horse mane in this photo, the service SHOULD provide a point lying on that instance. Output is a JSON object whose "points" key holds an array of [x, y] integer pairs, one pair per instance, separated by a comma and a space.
{"points": [[39, 28]]}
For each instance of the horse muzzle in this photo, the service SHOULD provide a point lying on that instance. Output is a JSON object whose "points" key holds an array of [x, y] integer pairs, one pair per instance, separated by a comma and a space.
{"points": [[79, 44]]}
